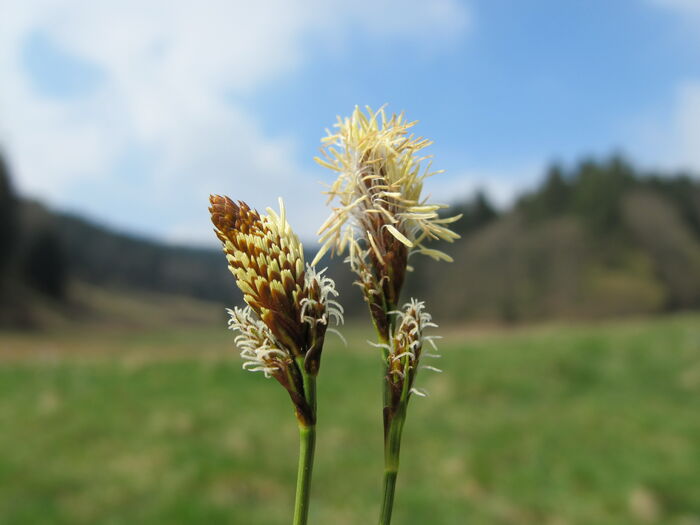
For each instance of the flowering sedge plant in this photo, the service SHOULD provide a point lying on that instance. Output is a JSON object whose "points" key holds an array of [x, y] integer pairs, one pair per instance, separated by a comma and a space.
{"points": [[381, 218], [290, 305]]}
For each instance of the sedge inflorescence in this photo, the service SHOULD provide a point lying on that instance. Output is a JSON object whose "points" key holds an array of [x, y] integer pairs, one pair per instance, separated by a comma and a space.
{"points": [[406, 349], [379, 213], [380, 217], [290, 305]]}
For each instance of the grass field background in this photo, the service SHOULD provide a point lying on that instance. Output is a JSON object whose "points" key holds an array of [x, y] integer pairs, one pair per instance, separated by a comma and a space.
{"points": [[553, 425]]}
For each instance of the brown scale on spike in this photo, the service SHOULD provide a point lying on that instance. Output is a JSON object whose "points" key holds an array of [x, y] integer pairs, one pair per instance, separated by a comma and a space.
{"points": [[269, 269], [282, 330]]}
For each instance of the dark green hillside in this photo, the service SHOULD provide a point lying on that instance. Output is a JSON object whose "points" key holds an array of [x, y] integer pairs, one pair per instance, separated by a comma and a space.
{"points": [[598, 240], [595, 240], [32, 258], [103, 257]]}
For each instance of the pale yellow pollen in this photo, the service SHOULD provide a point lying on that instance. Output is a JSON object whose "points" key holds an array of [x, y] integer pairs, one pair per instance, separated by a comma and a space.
{"points": [[396, 233], [375, 248]]}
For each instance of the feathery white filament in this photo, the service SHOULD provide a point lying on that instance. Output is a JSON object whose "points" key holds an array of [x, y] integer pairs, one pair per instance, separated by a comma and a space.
{"points": [[407, 341], [379, 173], [259, 349], [331, 308]]}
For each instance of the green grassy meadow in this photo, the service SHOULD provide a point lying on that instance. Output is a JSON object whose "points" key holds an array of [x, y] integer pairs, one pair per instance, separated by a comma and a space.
{"points": [[552, 425]]}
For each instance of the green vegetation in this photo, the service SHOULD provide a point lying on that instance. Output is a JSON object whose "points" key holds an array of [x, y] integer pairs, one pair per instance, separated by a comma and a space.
{"points": [[587, 424]]}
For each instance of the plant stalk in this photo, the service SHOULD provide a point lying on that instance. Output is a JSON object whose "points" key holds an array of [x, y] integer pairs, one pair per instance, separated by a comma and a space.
{"points": [[394, 418], [307, 445], [392, 449], [388, 500]]}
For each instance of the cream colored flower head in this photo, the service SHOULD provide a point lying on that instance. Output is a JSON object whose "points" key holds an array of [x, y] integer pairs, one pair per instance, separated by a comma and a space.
{"points": [[267, 260], [378, 192], [292, 303]]}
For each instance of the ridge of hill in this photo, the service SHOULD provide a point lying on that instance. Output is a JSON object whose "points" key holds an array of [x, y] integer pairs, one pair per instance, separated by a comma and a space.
{"points": [[598, 239]]}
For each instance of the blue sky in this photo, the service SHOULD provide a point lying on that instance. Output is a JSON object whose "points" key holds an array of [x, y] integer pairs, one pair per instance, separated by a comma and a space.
{"points": [[527, 79], [132, 114]]}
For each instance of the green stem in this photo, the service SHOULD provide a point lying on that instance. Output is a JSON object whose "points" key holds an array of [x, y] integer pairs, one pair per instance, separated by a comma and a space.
{"points": [[307, 442], [392, 449], [395, 416], [388, 500]]}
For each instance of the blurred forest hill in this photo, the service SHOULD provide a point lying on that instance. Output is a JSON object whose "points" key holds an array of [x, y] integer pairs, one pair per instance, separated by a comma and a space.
{"points": [[599, 239], [32, 259], [57, 268]]}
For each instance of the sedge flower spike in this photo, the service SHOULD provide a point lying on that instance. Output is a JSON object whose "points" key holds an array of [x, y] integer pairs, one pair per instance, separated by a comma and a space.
{"points": [[289, 308], [289, 305], [380, 216], [379, 213], [379, 186], [406, 349]]}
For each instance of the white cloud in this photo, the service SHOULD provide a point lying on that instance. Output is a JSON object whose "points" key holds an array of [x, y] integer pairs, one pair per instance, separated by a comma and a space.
{"points": [[502, 186], [172, 73], [686, 126], [668, 138], [692, 6]]}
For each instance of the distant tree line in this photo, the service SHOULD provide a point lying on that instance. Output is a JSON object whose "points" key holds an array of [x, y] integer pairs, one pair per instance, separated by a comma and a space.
{"points": [[599, 238], [596, 239], [33, 263]]}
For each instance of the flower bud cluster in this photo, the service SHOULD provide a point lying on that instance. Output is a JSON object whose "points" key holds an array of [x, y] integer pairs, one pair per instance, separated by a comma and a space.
{"points": [[380, 215], [282, 330]]}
